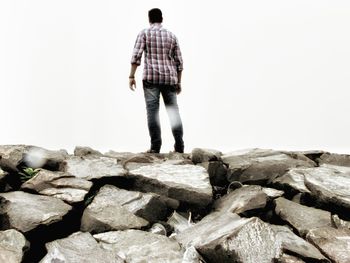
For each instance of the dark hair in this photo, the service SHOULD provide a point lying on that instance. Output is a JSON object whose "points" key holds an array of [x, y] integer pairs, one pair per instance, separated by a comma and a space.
{"points": [[155, 15]]}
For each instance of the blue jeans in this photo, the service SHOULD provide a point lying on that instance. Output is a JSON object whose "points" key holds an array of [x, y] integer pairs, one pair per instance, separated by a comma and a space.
{"points": [[152, 94]]}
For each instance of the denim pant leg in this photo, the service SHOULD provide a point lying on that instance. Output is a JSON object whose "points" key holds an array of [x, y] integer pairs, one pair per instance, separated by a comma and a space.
{"points": [[152, 94], [170, 100]]}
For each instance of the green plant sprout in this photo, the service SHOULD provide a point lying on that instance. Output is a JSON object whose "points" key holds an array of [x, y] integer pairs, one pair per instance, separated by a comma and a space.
{"points": [[28, 173]]}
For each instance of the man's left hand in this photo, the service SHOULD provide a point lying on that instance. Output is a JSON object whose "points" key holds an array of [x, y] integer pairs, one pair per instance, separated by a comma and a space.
{"points": [[178, 88]]}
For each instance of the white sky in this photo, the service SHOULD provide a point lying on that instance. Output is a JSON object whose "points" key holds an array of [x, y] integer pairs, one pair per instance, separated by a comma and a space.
{"points": [[268, 74]]}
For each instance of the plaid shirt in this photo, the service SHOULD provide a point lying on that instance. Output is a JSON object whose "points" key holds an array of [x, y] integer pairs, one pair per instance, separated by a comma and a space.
{"points": [[162, 55]]}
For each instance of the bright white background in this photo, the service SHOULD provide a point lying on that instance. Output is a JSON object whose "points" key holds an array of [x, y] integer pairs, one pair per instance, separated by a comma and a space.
{"points": [[268, 74]]}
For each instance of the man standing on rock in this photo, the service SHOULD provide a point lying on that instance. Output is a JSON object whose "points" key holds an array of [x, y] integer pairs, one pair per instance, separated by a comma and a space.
{"points": [[161, 75]]}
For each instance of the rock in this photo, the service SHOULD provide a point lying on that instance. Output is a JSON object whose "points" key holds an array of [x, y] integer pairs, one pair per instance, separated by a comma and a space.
{"points": [[335, 159], [59, 184], [140, 246], [260, 166], [116, 209], [334, 243], [158, 229], [24, 212], [272, 193], [285, 258], [13, 156], [339, 223], [293, 179], [186, 183], [85, 151], [302, 218], [78, 247], [329, 186], [225, 237], [13, 244], [291, 243], [191, 255], [242, 199], [217, 172], [311, 154], [90, 168], [201, 155]]}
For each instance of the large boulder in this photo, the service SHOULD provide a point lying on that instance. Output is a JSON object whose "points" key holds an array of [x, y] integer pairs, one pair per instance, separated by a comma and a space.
{"points": [[186, 183], [334, 243], [225, 237], [13, 244], [14, 156], [24, 211], [334, 159], [139, 246], [108, 211], [260, 166], [243, 199], [294, 179], [93, 167], [78, 247], [217, 172], [84, 151], [302, 218], [59, 184]]}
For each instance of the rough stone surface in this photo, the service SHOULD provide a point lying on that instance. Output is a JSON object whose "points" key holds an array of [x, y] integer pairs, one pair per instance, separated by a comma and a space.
{"points": [[186, 183], [329, 186], [89, 168], [59, 184], [13, 244], [285, 258], [302, 218], [201, 155], [107, 212], [293, 244], [78, 247], [12, 156], [84, 151], [242, 199], [334, 243], [293, 179], [137, 246], [260, 166], [24, 212], [339, 223], [335, 159]]}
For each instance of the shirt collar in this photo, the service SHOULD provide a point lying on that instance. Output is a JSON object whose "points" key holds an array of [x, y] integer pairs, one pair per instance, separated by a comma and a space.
{"points": [[159, 25]]}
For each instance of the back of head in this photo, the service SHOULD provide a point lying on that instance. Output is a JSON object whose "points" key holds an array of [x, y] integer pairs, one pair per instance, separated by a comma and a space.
{"points": [[155, 16]]}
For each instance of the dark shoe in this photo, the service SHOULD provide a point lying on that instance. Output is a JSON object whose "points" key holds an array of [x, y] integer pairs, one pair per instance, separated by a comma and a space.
{"points": [[179, 150]]}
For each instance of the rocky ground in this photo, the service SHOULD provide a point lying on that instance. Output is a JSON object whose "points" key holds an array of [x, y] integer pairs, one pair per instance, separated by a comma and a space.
{"points": [[252, 205]]}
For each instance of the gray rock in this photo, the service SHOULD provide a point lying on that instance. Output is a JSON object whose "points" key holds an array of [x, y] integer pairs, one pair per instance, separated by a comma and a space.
{"points": [[186, 183], [260, 166], [110, 211], [335, 159], [334, 243], [302, 218], [179, 223], [78, 247], [93, 167], [329, 186], [3, 181], [272, 193], [217, 172], [11, 156], [59, 184], [225, 237], [291, 243], [294, 179], [285, 258], [24, 211], [243, 199], [85, 151], [13, 244], [201, 155], [339, 223], [136, 246]]}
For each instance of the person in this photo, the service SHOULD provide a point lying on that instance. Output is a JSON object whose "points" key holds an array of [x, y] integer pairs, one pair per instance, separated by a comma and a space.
{"points": [[162, 73]]}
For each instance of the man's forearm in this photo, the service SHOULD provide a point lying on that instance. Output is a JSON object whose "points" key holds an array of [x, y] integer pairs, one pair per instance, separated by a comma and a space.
{"points": [[133, 70]]}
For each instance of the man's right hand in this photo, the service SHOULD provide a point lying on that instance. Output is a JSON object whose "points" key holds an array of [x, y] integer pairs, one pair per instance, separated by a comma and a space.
{"points": [[178, 88], [132, 84]]}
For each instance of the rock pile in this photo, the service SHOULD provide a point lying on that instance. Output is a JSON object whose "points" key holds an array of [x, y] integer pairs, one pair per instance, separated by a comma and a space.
{"points": [[252, 205]]}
